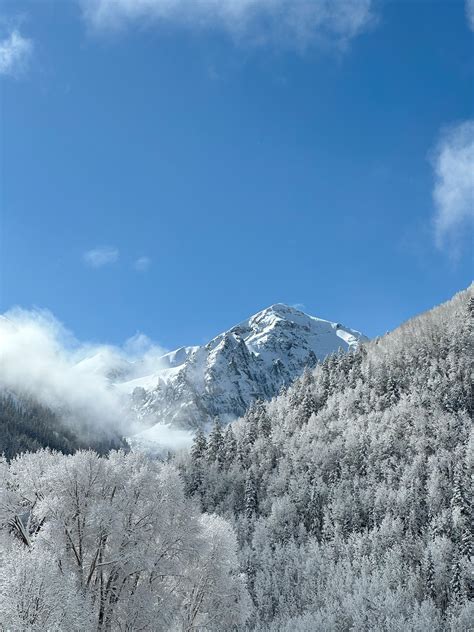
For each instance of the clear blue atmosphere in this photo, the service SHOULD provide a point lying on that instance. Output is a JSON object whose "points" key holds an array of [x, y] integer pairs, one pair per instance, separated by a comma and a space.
{"points": [[173, 172]]}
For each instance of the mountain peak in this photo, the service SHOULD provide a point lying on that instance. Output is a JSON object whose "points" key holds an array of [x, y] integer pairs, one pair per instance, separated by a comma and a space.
{"points": [[223, 377], [281, 309]]}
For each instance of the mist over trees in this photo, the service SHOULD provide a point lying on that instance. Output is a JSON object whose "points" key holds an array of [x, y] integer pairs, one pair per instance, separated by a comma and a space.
{"points": [[343, 504], [27, 425]]}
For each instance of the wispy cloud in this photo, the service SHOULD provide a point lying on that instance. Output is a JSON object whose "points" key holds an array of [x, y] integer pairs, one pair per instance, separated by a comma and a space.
{"points": [[292, 24], [142, 264], [42, 359], [39, 357], [101, 256], [470, 13], [454, 184], [15, 52]]}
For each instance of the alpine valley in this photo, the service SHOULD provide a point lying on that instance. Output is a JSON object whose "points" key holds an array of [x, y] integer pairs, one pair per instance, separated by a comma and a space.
{"points": [[342, 504], [159, 402]]}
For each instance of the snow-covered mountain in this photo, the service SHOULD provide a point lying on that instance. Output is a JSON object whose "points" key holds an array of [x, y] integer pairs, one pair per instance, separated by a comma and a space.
{"points": [[250, 361]]}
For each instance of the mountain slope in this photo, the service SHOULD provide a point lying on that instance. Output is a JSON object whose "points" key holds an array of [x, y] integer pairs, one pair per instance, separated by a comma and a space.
{"points": [[351, 492], [250, 361]]}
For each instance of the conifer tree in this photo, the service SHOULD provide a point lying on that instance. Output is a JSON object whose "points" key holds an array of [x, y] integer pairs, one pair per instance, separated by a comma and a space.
{"points": [[230, 446], [215, 444], [250, 495]]}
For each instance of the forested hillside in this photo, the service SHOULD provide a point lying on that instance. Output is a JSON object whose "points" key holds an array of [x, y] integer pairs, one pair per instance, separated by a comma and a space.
{"points": [[26, 425], [350, 492]]}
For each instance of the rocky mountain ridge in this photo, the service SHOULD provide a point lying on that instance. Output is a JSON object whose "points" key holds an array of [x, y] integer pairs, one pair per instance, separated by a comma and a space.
{"points": [[252, 360]]}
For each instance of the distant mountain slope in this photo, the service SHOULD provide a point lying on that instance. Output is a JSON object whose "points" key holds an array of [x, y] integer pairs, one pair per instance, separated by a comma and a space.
{"points": [[250, 361], [26, 425]]}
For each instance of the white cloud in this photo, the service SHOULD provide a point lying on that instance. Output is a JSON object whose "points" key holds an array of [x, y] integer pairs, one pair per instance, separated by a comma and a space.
{"points": [[454, 183], [102, 256], [41, 359], [15, 52], [144, 353], [142, 264], [470, 13], [289, 23]]}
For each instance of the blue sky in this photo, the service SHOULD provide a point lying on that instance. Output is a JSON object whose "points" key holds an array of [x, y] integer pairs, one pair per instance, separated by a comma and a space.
{"points": [[172, 170]]}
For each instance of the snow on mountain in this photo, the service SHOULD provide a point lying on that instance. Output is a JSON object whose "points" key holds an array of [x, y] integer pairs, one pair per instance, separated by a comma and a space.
{"points": [[107, 363], [250, 361]]}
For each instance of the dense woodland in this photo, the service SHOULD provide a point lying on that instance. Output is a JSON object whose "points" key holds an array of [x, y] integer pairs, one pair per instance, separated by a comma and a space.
{"points": [[343, 504], [26, 425], [111, 543], [350, 493]]}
